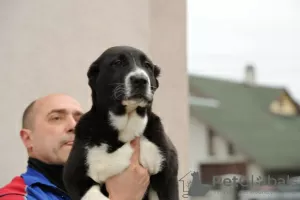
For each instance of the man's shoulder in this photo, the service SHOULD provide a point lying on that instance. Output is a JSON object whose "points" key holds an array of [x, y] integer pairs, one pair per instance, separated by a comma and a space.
{"points": [[14, 190], [30, 186]]}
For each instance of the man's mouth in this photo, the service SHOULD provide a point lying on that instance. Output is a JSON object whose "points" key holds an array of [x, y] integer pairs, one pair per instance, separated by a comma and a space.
{"points": [[70, 143]]}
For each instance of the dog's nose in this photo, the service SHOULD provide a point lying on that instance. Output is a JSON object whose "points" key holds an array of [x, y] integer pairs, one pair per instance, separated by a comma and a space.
{"points": [[138, 80]]}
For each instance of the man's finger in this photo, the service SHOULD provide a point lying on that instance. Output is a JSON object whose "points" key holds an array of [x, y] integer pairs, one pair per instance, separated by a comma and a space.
{"points": [[133, 142], [136, 154]]}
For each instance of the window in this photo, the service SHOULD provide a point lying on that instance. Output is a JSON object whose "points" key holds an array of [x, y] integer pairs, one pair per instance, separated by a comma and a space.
{"points": [[211, 151], [230, 149]]}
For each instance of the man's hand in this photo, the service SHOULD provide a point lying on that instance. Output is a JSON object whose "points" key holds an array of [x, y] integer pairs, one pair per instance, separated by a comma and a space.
{"points": [[133, 182]]}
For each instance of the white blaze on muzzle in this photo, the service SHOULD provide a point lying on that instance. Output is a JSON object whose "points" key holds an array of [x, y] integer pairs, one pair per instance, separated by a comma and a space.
{"points": [[135, 78]]}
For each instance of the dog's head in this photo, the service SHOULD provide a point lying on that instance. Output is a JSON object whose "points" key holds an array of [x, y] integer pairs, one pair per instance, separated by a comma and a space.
{"points": [[124, 75]]}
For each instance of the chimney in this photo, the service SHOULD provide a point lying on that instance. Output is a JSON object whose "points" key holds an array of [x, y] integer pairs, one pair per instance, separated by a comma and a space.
{"points": [[249, 75]]}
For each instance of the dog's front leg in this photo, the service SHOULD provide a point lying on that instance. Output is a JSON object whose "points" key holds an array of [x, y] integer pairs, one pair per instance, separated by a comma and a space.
{"points": [[150, 156], [102, 165], [164, 187], [172, 190]]}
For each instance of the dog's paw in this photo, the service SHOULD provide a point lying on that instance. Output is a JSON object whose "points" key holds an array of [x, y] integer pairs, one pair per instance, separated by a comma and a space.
{"points": [[150, 156], [122, 156], [102, 165], [118, 161]]}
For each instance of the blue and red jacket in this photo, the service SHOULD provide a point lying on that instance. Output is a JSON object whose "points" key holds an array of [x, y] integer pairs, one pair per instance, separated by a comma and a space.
{"points": [[31, 185]]}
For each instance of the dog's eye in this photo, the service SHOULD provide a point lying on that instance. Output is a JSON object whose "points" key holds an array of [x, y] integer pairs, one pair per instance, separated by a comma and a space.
{"points": [[148, 65], [117, 62]]}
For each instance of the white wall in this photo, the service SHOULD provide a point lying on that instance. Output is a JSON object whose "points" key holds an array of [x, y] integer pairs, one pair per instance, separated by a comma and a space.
{"points": [[199, 150], [48, 46], [199, 147], [221, 149], [198, 143], [199, 154]]}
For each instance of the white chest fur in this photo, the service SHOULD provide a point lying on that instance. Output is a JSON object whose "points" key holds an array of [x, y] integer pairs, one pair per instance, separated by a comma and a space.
{"points": [[102, 165], [129, 125], [132, 125]]}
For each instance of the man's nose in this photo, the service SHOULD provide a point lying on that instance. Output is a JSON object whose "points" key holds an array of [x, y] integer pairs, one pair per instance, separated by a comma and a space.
{"points": [[71, 124]]}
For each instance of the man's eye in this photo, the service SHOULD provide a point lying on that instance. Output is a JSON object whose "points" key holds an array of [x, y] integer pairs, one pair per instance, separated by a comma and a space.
{"points": [[55, 118]]}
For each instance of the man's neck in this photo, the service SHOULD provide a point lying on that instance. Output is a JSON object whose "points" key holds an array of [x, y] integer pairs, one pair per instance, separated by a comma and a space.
{"points": [[54, 173]]}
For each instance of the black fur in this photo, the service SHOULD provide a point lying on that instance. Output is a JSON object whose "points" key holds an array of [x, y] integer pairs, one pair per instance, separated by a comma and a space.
{"points": [[94, 129]]}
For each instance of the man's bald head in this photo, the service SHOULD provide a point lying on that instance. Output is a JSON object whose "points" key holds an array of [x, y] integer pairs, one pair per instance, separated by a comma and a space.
{"points": [[30, 111], [28, 116]]}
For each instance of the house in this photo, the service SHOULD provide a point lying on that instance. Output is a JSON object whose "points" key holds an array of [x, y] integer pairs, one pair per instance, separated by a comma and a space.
{"points": [[243, 128]]}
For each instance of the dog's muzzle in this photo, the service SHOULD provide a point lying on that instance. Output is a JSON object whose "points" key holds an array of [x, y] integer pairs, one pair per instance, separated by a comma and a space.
{"points": [[138, 86]]}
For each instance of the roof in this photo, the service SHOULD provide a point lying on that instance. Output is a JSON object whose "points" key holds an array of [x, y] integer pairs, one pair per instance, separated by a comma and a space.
{"points": [[243, 117]]}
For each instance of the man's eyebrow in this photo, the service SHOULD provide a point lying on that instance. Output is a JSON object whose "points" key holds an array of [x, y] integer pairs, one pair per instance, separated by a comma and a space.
{"points": [[57, 111], [77, 112]]}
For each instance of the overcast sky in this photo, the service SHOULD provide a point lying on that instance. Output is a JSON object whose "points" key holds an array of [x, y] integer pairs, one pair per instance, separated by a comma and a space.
{"points": [[225, 35]]}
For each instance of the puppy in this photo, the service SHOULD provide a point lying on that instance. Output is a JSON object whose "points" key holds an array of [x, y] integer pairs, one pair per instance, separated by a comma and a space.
{"points": [[123, 81]]}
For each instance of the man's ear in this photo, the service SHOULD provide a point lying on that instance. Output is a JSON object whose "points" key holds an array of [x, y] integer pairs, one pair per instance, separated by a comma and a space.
{"points": [[157, 72], [26, 137]]}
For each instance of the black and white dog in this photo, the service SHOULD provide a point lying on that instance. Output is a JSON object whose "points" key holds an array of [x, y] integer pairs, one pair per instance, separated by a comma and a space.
{"points": [[123, 81]]}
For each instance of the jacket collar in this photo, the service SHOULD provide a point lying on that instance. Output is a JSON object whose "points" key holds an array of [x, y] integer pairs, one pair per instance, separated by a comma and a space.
{"points": [[31, 177]]}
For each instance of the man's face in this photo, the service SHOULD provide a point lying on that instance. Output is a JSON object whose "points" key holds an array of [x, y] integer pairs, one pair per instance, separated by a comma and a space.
{"points": [[52, 134]]}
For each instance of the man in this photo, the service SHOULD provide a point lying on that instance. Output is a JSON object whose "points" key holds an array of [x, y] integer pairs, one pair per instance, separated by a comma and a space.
{"points": [[48, 133]]}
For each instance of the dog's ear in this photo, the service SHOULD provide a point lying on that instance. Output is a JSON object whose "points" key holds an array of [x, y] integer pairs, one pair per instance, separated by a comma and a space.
{"points": [[157, 72], [92, 74]]}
